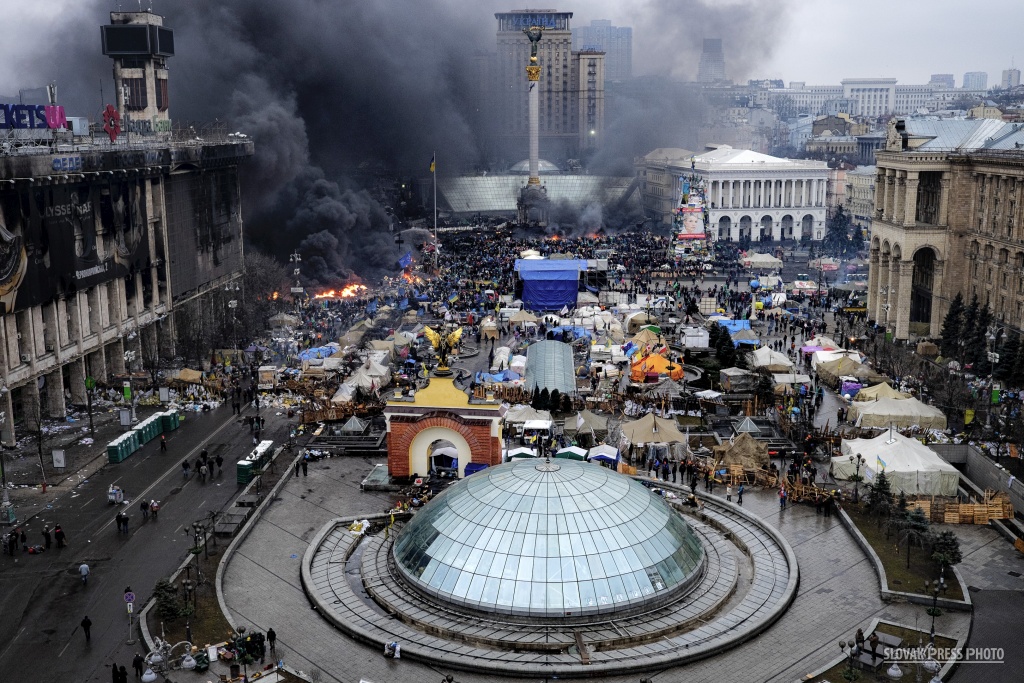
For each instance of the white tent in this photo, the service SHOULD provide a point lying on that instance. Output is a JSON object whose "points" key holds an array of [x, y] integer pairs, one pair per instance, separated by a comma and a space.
{"points": [[909, 465], [896, 412], [524, 413], [346, 393], [501, 358], [819, 357], [518, 364], [764, 357], [761, 261]]}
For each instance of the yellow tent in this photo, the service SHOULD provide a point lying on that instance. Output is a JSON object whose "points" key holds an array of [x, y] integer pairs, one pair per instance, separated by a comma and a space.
{"points": [[647, 337], [658, 364], [879, 391]]}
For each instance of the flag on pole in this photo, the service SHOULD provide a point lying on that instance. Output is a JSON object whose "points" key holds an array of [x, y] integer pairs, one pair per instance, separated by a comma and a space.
{"points": [[881, 462], [579, 421], [406, 260], [433, 157]]}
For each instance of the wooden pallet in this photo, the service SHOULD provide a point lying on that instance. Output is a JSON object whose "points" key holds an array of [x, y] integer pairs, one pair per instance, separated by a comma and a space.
{"points": [[966, 513], [924, 506], [952, 515]]}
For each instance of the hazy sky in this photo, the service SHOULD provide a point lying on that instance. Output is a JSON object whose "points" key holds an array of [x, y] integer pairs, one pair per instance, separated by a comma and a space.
{"points": [[817, 41]]}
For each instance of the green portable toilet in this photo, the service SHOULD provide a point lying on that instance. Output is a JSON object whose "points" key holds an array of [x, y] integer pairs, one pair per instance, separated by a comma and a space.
{"points": [[244, 470]]}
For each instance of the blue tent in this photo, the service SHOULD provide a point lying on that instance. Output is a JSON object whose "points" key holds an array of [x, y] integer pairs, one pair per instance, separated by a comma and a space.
{"points": [[474, 467], [578, 332], [549, 285], [735, 326]]}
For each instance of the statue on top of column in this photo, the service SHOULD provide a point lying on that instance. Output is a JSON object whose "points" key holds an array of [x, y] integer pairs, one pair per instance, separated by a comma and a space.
{"points": [[534, 33]]}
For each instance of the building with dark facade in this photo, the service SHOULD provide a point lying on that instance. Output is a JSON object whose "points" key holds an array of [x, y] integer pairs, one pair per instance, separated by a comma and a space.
{"points": [[107, 230]]}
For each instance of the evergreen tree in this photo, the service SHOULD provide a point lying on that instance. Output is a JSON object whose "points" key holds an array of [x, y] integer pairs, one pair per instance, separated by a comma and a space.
{"points": [[953, 329], [544, 401], [857, 241], [1009, 354], [837, 232], [535, 400], [555, 400], [978, 340], [967, 332], [725, 351], [946, 549], [880, 495]]}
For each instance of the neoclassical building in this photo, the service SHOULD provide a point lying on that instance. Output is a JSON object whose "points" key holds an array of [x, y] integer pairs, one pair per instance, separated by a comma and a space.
{"points": [[948, 219], [749, 194]]}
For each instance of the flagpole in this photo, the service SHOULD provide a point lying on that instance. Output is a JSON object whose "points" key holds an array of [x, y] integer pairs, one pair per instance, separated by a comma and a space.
{"points": [[434, 173]]}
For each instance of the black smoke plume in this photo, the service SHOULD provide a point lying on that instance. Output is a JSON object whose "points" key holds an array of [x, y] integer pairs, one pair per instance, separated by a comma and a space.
{"points": [[343, 96]]}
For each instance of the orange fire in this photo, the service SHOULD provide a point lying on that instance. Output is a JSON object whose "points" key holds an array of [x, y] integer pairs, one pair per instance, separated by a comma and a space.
{"points": [[275, 295], [346, 292]]}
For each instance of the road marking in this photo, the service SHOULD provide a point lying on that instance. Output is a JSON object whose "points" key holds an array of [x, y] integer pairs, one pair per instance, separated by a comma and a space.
{"points": [[173, 468], [12, 642], [69, 643]]}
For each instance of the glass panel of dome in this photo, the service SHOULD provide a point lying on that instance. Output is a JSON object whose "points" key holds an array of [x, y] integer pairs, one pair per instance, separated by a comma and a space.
{"points": [[670, 570], [428, 572], [603, 592], [484, 566], [540, 569], [570, 595], [511, 567], [564, 546], [525, 572], [554, 598], [472, 560], [618, 590], [529, 548], [450, 579], [554, 569], [461, 587], [538, 596], [476, 587], [568, 569], [634, 587], [608, 562], [506, 593], [582, 564], [588, 598], [489, 594], [521, 599], [516, 547], [600, 542], [552, 544]]}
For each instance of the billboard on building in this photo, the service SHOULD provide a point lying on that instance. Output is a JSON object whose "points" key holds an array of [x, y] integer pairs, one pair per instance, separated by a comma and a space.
{"points": [[689, 222], [57, 239]]}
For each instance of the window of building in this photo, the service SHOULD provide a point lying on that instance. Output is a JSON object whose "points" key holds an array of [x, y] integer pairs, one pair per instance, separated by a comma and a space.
{"points": [[161, 94], [135, 93]]}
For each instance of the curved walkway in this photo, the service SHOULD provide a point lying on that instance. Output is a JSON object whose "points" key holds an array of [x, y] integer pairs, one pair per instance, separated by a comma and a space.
{"points": [[838, 593]]}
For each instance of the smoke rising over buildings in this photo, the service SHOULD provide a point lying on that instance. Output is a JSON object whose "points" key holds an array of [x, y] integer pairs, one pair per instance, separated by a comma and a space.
{"points": [[333, 92]]}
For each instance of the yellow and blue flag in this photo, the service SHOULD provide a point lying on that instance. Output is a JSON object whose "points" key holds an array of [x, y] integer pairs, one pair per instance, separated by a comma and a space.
{"points": [[432, 159]]}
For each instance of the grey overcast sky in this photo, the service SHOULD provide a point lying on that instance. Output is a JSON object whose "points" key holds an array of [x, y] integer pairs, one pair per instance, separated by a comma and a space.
{"points": [[816, 41]]}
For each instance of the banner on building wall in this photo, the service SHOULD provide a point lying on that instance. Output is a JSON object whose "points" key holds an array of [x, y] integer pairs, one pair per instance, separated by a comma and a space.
{"points": [[58, 239]]}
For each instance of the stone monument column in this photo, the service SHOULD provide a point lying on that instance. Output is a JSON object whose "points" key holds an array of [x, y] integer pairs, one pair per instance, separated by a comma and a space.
{"points": [[534, 33]]}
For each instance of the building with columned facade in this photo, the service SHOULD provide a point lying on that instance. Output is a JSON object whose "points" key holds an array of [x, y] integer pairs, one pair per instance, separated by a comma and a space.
{"points": [[948, 219], [750, 195]]}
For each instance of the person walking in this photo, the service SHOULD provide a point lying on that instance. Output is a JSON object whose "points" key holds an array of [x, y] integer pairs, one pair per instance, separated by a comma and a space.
{"points": [[782, 499], [297, 465], [728, 492], [138, 664], [305, 466], [24, 540], [83, 570], [115, 676], [144, 509], [47, 539], [184, 468], [154, 507], [163, 443], [739, 495], [203, 471], [59, 536], [122, 675], [220, 463], [272, 641], [86, 626]]}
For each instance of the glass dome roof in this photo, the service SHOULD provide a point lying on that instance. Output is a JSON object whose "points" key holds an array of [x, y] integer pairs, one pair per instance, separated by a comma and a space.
{"points": [[558, 539]]}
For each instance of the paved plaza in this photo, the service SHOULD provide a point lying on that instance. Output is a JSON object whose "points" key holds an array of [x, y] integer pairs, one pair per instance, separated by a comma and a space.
{"points": [[838, 591]]}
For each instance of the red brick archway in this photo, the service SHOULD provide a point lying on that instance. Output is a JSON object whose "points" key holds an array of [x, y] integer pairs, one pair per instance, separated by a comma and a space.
{"points": [[485, 449]]}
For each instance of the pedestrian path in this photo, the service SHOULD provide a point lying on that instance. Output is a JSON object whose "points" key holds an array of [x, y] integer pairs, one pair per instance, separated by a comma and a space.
{"points": [[838, 591]]}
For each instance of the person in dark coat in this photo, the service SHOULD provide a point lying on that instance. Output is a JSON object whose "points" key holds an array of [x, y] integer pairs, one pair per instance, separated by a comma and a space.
{"points": [[86, 626], [58, 535], [47, 539], [138, 664]]}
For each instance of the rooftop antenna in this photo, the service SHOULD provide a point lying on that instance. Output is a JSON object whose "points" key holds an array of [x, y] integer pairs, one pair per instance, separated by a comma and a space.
{"points": [[892, 439]]}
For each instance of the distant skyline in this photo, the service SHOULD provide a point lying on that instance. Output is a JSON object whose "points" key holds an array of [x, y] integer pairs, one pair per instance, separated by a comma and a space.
{"points": [[819, 42], [823, 41]]}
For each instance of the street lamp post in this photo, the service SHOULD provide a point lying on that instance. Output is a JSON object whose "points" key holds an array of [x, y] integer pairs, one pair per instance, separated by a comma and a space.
{"points": [[856, 480], [849, 674], [934, 587], [994, 332]]}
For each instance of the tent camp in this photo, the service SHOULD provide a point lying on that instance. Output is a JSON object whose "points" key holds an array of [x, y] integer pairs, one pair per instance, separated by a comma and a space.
{"points": [[647, 337], [746, 337], [879, 391], [771, 361], [589, 424], [846, 367], [635, 321], [757, 260], [744, 450], [523, 316], [910, 466], [652, 429], [653, 366], [524, 413], [905, 412]]}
